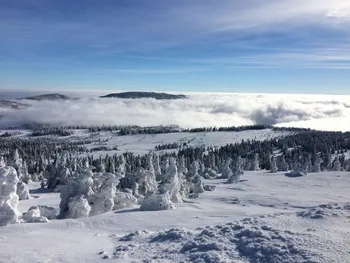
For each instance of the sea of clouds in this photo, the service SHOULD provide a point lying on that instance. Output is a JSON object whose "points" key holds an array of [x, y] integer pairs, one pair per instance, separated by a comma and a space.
{"points": [[324, 112]]}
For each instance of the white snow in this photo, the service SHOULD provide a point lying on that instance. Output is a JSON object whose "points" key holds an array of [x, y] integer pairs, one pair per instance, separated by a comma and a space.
{"points": [[267, 217]]}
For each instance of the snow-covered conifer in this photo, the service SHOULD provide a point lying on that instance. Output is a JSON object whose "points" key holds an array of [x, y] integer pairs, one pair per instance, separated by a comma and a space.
{"points": [[8, 197], [23, 191], [237, 171], [336, 165], [282, 165], [273, 165], [2, 162], [78, 207], [227, 171], [103, 200], [172, 182], [256, 163], [182, 166], [121, 170], [156, 165], [317, 165]]}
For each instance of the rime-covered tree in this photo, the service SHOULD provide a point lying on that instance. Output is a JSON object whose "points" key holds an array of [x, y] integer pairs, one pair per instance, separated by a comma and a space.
{"points": [[273, 165], [227, 171], [237, 171], [317, 165], [282, 165], [156, 165], [172, 183], [336, 165], [8, 197]]}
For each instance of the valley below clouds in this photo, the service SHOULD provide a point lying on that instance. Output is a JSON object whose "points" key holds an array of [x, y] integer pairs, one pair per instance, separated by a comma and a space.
{"points": [[323, 112]]}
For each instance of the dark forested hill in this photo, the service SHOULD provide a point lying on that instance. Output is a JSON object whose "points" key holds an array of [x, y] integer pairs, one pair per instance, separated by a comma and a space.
{"points": [[140, 95]]}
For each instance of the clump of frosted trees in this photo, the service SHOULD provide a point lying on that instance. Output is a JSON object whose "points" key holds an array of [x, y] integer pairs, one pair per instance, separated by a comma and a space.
{"points": [[154, 182], [11, 191]]}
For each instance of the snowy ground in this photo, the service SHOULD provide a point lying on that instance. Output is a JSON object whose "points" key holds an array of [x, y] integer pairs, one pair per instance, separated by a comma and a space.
{"points": [[264, 218], [143, 143]]}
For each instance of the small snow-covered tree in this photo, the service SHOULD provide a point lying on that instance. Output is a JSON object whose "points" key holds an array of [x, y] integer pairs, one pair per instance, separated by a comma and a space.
{"points": [[15, 161], [256, 163], [307, 165], [227, 171], [273, 165], [110, 166], [121, 170], [282, 165], [172, 182], [237, 171], [336, 165], [146, 178], [182, 171], [164, 167], [317, 165], [193, 170], [103, 200], [8, 197], [23, 191], [197, 186], [2, 162], [78, 207], [156, 165]]}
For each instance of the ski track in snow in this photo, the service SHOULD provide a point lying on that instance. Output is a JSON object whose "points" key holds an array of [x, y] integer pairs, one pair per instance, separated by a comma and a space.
{"points": [[266, 218]]}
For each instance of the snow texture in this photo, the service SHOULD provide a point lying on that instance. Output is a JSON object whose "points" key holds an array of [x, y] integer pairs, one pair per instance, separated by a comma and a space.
{"points": [[250, 240]]}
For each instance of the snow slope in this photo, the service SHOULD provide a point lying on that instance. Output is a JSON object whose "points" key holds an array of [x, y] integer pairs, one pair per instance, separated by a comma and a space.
{"points": [[264, 218], [143, 143]]}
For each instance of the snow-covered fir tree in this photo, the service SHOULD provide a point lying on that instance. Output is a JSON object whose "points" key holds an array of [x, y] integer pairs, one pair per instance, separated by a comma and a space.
{"points": [[273, 165]]}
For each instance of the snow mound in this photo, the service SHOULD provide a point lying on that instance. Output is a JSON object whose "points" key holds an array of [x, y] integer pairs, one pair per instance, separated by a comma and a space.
{"points": [[48, 212], [325, 210], [33, 216], [250, 240], [209, 188], [124, 200], [296, 173], [157, 202], [78, 207], [173, 235]]}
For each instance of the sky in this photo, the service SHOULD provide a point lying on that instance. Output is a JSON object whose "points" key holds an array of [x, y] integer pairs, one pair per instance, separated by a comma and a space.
{"points": [[259, 46]]}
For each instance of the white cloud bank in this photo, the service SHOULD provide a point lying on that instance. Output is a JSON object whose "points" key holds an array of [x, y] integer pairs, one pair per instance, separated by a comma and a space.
{"points": [[207, 109]]}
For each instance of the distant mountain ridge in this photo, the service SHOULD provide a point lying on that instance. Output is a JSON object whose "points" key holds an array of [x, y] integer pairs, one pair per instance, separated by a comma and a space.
{"points": [[12, 104], [51, 96], [142, 94]]}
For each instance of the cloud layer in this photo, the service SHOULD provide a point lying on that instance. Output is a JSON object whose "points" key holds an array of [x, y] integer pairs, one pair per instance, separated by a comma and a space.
{"points": [[206, 109]]}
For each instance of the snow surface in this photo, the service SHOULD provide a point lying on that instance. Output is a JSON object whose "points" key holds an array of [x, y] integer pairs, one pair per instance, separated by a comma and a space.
{"points": [[143, 143], [264, 218]]}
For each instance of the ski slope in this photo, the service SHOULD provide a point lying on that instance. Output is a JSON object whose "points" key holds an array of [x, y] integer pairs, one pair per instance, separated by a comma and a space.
{"points": [[264, 218]]}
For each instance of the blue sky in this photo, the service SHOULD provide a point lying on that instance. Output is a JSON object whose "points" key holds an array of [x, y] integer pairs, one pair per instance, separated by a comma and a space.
{"points": [[283, 46]]}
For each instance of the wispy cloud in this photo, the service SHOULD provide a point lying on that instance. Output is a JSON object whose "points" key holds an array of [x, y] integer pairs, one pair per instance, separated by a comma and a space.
{"points": [[145, 71], [197, 35]]}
